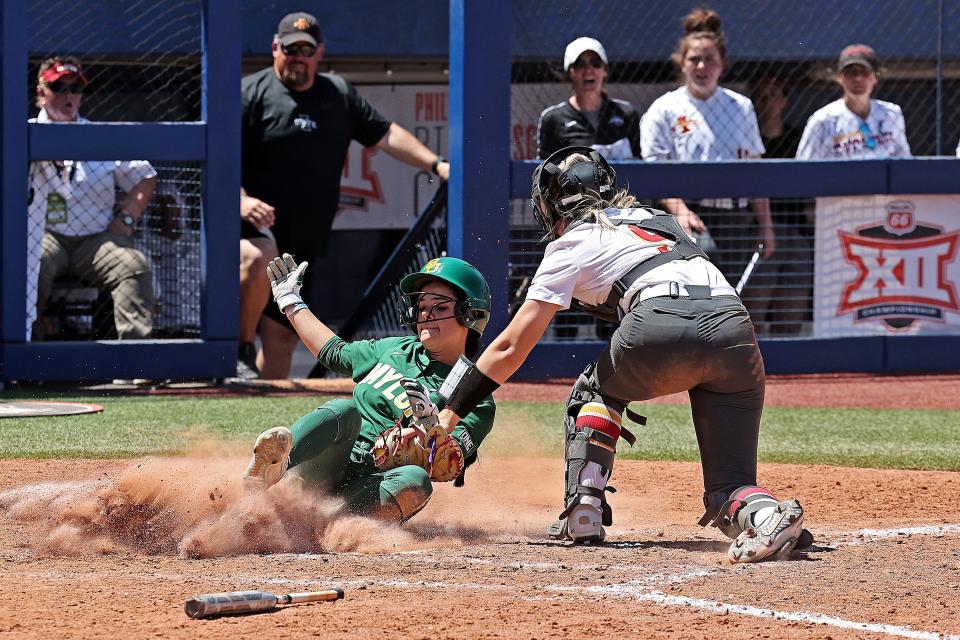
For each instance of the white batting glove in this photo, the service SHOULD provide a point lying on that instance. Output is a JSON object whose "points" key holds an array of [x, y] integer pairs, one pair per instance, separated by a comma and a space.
{"points": [[424, 412], [286, 278]]}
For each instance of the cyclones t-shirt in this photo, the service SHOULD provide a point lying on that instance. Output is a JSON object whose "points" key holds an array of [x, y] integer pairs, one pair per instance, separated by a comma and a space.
{"points": [[377, 366], [678, 126], [294, 146], [836, 133]]}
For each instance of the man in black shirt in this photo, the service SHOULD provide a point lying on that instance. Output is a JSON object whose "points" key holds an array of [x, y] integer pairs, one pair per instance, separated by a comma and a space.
{"points": [[589, 117], [297, 127]]}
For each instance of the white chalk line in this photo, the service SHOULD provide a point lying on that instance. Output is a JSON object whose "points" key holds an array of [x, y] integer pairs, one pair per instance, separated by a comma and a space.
{"points": [[636, 589], [854, 538]]}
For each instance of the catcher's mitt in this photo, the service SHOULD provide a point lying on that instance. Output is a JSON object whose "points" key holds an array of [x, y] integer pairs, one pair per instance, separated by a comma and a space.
{"points": [[436, 451], [426, 444]]}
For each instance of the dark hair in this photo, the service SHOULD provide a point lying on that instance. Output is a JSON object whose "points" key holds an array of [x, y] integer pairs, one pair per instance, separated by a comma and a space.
{"points": [[473, 345], [700, 24]]}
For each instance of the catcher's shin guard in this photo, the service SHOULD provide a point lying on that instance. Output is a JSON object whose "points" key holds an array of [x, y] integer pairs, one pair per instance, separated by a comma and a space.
{"points": [[592, 429]]}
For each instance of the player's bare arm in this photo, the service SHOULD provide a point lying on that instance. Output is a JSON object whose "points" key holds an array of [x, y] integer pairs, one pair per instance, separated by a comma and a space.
{"points": [[689, 220], [286, 278], [510, 349], [761, 209]]}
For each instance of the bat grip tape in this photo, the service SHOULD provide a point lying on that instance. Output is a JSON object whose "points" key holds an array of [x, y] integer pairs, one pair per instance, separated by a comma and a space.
{"points": [[465, 387]]}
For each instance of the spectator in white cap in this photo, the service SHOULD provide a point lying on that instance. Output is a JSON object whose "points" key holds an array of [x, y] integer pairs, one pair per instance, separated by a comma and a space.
{"points": [[589, 117]]}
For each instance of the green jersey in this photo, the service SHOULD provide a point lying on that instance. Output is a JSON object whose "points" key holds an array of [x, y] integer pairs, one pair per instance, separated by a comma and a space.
{"points": [[378, 367]]}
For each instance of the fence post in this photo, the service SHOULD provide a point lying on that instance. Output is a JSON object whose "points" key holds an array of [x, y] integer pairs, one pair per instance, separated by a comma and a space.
{"points": [[478, 223], [221, 110], [13, 172]]}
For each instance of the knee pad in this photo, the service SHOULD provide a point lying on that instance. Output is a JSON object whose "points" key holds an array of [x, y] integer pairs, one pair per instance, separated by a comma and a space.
{"points": [[735, 512], [412, 495]]}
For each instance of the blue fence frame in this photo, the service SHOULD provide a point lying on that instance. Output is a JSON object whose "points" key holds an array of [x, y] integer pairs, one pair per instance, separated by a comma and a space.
{"points": [[480, 231], [213, 141]]}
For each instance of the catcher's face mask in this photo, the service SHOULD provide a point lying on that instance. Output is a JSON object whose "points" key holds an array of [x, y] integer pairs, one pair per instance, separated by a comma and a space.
{"points": [[557, 194]]}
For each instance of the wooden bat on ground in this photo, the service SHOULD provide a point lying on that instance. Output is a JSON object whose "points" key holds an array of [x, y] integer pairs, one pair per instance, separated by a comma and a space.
{"points": [[241, 602]]}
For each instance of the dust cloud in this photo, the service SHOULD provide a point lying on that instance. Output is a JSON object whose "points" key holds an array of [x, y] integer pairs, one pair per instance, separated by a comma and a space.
{"points": [[196, 507]]}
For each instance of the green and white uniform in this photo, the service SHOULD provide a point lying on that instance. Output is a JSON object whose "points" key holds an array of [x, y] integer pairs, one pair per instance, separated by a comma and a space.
{"points": [[332, 444]]}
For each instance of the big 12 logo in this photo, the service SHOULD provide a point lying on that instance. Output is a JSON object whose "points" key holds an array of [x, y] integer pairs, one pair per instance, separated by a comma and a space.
{"points": [[901, 269]]}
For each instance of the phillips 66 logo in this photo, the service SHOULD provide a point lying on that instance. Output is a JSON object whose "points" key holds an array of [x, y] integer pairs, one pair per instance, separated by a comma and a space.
{"points": [[901, 270]]}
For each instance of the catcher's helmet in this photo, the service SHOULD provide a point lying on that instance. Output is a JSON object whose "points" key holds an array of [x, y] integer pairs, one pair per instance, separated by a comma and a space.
{"points": [[560, 194], [473, 305]]}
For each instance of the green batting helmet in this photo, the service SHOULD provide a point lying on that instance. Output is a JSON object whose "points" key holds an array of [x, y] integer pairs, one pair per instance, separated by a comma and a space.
{"points": [[473, 307]]}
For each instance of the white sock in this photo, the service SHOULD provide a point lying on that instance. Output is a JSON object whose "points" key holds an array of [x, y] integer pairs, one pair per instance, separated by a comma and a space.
{"points": [[592, 475]]}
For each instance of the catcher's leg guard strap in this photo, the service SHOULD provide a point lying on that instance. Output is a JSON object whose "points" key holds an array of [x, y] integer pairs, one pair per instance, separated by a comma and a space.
{"points": [[591, 446], [739, 510]]}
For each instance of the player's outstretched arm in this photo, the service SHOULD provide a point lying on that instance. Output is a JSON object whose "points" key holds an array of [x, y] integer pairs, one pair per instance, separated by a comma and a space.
{"points": [[286, 278], [467, 383]]}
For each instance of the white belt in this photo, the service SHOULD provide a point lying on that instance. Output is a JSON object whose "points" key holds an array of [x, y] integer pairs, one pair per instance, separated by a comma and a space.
{"points": [[664, 290]]}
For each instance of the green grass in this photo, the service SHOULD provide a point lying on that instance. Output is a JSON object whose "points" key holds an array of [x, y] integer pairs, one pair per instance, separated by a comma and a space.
{"points": [[132, 426], [139, 425], [879, 438]]}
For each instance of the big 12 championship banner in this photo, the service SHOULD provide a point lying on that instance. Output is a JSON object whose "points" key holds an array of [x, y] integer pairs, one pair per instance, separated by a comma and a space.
{"points": [[887, 265]]}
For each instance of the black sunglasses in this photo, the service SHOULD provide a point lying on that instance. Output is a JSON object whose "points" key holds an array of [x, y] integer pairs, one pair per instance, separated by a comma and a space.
{"points": [[593, 61], [305, 50], [59, 87]]}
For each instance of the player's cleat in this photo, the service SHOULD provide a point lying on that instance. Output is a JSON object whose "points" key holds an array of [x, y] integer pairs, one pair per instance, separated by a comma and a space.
{"points": [[582, 526], [773, 539], [271, 456]]}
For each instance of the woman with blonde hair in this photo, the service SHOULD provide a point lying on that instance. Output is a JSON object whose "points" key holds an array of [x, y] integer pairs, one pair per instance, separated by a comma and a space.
{"points": [[681, 327]]}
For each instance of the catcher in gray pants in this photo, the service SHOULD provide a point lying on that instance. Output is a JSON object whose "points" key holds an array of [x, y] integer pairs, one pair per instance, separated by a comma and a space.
{"points": [[682, 327]]}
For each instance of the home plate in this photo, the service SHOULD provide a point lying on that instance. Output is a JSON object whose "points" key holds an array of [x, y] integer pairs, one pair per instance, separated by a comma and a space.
{"points": [[29, 408]]}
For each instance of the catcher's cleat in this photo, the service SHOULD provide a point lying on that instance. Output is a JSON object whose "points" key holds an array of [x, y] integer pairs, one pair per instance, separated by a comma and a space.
{"points": [[271, 456], [774, 539], [582, 526]]}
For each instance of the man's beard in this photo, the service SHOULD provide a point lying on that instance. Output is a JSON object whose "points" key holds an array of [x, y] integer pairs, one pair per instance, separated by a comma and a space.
{"points": [[294, 76]]}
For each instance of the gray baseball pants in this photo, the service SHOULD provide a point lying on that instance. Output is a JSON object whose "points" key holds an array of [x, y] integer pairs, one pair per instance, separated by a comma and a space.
{"points": [[706, 347]]}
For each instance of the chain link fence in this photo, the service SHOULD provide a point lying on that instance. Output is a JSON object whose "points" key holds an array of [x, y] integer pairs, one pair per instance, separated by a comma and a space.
{"points": [[114, 247], [781, 57]]}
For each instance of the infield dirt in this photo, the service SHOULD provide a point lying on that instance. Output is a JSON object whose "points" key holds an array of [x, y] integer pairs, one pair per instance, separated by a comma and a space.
{"points": [[93, 548]]}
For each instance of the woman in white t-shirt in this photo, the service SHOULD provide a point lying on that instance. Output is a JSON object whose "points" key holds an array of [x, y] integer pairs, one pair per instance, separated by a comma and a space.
{"points": [[855, 127], [680, 327], [702, 121]]}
